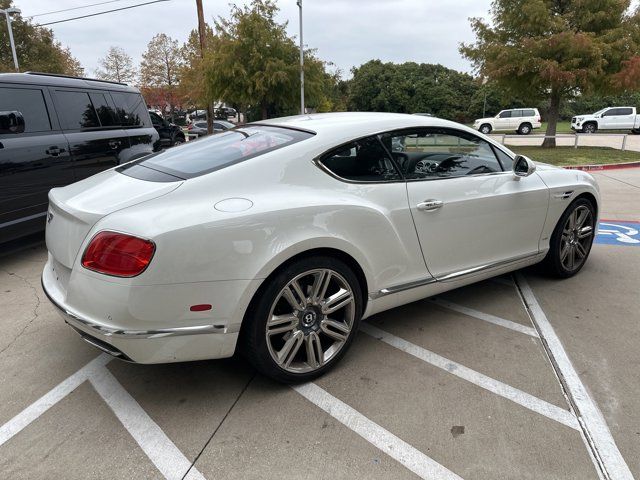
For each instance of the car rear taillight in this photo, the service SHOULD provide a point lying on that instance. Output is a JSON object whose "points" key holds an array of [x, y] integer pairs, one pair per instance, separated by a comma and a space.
{"points": [[118, 254]]}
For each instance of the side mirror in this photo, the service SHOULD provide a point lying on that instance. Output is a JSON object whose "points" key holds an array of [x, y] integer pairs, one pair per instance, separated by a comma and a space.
{"points": [[11, 122], [523, 166]]}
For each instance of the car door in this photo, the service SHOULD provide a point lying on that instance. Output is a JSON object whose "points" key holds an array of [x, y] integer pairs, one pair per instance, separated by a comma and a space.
{"points": [[163, 129], [31, 162], [503, 122], [608, 120], [133, 115], [89, 123], [469, 210], [624, 118]]}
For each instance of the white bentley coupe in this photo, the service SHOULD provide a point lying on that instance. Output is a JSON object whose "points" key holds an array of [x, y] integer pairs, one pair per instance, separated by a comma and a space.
{"points": [[278, 237]]}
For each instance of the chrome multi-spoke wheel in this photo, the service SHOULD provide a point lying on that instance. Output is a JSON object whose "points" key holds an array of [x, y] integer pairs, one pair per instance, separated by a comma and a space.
{"points": [[572, 239], [576, 238], [310, 320], [303, 319]]}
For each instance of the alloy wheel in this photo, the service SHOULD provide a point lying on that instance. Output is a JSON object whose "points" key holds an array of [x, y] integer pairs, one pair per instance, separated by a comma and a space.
{"points": [[577, 235], [310, 320]]}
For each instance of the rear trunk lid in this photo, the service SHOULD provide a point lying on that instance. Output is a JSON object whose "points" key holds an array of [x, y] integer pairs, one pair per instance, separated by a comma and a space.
{"points": [[74, 209]]}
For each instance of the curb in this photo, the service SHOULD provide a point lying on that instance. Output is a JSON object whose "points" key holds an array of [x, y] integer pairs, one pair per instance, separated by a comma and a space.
{"points": [[610, 166]]}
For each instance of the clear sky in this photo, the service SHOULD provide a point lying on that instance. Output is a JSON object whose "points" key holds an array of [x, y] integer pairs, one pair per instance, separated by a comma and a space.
{"points": [[345, 32]]}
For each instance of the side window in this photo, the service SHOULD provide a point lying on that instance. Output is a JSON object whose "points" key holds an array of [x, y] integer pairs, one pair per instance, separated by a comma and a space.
{"points": [[106, 114], [625, 111], [30, 103], [516, 113], [76, 110], [528, 113], [611, 112], [131, 109], [364, 160], [439, 152], [505, 160], [155, 119], [505, 114]]}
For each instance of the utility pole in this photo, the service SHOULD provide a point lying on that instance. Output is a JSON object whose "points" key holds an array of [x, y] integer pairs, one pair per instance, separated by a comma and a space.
{"points": [[202, 33], [299, 2], [8, 13]]}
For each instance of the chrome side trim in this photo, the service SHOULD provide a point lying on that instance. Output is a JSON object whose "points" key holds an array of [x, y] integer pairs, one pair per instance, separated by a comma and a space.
{"points": [[563, 195], [75, 320], [451, 276], [401, 288], [488, 266]]}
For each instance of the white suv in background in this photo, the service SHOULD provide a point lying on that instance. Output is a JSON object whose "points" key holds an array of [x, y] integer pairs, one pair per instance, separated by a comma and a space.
{"points": [[520, 120]]}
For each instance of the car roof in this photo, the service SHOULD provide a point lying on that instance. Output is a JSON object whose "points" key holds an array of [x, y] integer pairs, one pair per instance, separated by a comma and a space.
{"points": [[35, 78], [357, 124]]}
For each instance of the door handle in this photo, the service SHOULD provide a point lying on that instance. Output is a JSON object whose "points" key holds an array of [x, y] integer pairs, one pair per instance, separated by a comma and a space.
{"points": [[429, 205], [54, 151], [113, 144]]}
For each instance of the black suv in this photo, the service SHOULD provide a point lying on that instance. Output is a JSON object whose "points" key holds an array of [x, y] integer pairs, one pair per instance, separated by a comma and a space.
{"points": [[55, 130], [170, 134]]}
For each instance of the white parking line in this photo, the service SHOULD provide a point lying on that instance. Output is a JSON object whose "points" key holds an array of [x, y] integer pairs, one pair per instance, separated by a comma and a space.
{"points": [[44, 403], [167, 458], [416, 461], [599, 439], [485, 316], [495, 386]]}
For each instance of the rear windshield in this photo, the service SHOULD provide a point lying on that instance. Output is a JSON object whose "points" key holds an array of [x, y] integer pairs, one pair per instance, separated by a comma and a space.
{"points": [[219, 151]]}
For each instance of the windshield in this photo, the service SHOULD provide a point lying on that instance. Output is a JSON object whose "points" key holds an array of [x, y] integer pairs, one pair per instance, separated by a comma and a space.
{"points": [[219, 151]]}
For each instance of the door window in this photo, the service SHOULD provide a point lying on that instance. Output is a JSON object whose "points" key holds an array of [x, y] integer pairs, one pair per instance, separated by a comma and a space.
{"points": [[30, 103], [76, 110], [612, 112], [505, 114], [625, 111], [131, 109], [440, 153], [364, 160], [106, 113], [516, 113]]}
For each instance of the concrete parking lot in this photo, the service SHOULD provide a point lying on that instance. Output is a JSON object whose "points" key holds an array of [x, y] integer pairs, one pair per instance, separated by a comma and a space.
{"points": [[518, 377]]}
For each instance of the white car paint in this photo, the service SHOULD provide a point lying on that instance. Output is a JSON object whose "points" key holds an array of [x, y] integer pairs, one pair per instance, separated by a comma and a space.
{"points": [[274, 207], [505, 121], [611, 118]]}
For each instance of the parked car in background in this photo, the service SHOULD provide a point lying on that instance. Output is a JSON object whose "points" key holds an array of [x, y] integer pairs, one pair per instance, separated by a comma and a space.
{"points": [[520, 120], [56, 130], [200, 128], [170, 134], [277, 238], [611, 118]]}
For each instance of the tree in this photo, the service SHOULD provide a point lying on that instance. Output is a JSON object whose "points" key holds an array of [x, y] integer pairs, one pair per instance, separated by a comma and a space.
{"points": [[411, 87], [255, 64], [192, 88], [36, 48], [117, 66], [552, 49], [160, 68]]}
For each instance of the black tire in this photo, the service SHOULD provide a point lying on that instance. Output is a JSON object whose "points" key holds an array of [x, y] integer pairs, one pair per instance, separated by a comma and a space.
{"points": [[636, 131], [254, 343], [485, 128], [177, 141], [553, 262], [525, 129], [590, 127]]}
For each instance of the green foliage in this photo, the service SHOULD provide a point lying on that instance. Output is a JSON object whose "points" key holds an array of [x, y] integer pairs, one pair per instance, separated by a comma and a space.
{"points": [[414, 88], [539, 49], [160, 70], [192, 88], [254, 65], [36, 48]]}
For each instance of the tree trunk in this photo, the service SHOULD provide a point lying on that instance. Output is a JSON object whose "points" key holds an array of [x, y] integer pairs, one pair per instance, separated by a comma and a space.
{"points": [[265, 113], [552, 120]]}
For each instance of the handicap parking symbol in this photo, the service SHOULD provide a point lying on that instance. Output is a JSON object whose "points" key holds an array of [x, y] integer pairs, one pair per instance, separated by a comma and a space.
{"points": [[618, 233]]}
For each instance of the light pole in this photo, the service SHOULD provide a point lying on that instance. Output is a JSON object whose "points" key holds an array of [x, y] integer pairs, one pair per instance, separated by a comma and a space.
{"points": [[8, 13], [299, 3]]}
